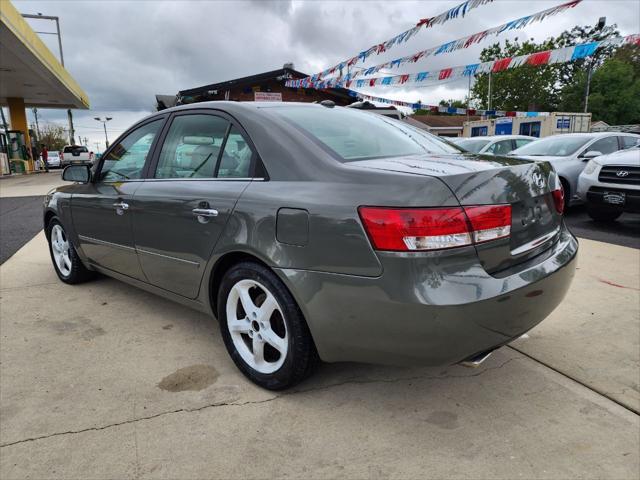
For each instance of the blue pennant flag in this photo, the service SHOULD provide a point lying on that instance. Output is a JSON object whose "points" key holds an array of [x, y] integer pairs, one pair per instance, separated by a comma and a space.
{"points": [[396, 62], [470, 69], [386, 81], [422, 76], [584, 50], [444, 48], [359, 83]]}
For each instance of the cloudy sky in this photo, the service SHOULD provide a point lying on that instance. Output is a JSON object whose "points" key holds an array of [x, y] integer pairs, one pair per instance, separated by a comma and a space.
{"points": [[124, 52]]}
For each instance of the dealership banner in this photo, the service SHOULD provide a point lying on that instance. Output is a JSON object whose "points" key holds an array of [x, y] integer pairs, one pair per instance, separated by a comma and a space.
{"points": [[451, 46], [548, 57]]}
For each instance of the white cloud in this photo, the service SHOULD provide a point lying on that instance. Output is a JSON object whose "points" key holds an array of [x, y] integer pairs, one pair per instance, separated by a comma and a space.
{"points": [[123, 53]]}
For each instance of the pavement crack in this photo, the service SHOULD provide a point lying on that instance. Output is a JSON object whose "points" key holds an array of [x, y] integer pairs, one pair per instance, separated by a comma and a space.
{"points": [[258, 402]]}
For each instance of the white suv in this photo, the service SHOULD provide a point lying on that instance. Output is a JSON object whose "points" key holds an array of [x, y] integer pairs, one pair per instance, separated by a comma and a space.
{"points": [[75, 154], [610, 185]]}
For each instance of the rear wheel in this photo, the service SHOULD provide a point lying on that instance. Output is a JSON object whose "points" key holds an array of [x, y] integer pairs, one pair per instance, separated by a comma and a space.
{"points": [[263, 328], [66, 262], [602, 214]]}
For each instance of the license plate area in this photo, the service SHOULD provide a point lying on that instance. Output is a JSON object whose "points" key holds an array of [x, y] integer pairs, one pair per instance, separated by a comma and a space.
{"points": [[614, 198]]}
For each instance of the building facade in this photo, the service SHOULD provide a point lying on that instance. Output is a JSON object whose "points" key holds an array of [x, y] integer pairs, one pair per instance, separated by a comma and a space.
{"points": [[541, 126]]}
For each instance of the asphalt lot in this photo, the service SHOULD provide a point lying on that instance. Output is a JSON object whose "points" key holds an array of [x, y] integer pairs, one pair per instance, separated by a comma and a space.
{"points": [[102, 380]]}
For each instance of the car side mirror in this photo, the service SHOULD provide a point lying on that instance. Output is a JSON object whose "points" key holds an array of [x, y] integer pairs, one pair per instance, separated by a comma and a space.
{"points": [[77, 173], [591, 154]]}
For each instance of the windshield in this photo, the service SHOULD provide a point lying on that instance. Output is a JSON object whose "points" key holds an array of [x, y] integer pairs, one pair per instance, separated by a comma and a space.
{"points": [[560, 146], [353, 135], [473, 145]]}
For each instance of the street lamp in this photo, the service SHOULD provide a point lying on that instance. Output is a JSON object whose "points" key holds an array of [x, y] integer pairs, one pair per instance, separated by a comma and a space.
{"points": [[104, 124]]}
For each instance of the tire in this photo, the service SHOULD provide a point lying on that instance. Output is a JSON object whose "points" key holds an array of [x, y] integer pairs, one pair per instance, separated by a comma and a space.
{"points": [[72, 270], [602, 214], [270, 362]]}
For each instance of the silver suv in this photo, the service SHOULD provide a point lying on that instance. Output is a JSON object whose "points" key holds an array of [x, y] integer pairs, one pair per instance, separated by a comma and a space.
{"points": [[610, 185]]}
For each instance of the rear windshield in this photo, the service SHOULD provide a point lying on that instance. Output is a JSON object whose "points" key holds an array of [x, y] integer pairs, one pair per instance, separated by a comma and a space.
{"points": [[75, 149], [472, 145], [354, 135], [554, 146]]}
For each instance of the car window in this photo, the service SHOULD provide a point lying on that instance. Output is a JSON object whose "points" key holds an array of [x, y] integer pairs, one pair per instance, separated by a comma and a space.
{"points": [[558, 145], [521, 142], [629, 141], [75, 149], [501, 148], [604, 145], [236, 157], [355, 135], [192, 147], [473, 145], [126, 160]]}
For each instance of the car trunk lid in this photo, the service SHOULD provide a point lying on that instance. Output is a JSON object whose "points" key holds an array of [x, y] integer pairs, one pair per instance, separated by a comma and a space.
{"points": [[489, 180]]}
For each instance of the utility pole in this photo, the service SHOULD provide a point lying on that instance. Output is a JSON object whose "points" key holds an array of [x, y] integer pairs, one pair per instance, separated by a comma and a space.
{"points": [[39, 16], [602, 21], [35, 115], [104, 124], [489, 94]]}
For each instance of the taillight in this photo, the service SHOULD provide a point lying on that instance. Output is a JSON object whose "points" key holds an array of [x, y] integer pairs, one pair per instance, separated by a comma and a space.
{"points": [[413, 229], [558, 200]]}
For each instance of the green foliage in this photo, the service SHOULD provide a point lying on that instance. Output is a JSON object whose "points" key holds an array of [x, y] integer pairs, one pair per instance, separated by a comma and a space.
{"points": [[53, 136], [615, 89], [542, 88], [453, 103]]}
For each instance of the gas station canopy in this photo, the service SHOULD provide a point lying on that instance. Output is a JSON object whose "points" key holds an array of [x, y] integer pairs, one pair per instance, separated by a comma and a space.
{"points": [[29, 70]]}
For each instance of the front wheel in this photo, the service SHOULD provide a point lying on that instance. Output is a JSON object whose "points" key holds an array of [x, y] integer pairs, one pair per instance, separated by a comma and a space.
{"points": [[263, 328], [66, 262], [602, 214]]}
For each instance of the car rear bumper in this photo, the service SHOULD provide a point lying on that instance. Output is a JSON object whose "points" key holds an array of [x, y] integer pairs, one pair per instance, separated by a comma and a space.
{"points": [[431, 309], [596, 196]]}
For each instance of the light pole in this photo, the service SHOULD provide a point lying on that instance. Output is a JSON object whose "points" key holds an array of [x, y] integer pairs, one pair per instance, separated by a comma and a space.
{"points": [[602, 21], [104, 124], [39, 16]]}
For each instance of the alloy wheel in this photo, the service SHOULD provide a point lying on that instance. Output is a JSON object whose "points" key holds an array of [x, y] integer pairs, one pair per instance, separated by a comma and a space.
{"points": [[257, 326], [60, 247]]}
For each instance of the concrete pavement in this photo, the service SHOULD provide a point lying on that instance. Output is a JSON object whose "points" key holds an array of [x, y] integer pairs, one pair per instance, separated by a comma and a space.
{"points": [[30, 185], [103, 380]]}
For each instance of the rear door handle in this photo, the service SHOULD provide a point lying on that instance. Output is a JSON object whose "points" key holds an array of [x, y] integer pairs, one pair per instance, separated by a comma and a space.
{"points": [[204, 214], [121, 207]]}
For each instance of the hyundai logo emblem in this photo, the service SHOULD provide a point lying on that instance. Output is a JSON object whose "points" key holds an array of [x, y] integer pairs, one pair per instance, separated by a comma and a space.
{"points": [[622, 173], [538, 179]]}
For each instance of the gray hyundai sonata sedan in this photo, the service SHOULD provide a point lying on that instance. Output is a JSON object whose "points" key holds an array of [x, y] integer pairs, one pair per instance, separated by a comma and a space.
{"points": [[318, 232]]}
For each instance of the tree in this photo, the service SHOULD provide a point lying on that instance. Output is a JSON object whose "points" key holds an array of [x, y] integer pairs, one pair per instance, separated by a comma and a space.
{"points": [[614, 92], [536, 88], [453, 103], [53, 136]]}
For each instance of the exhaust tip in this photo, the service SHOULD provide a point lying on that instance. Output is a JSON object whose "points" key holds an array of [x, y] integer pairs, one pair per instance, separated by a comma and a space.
{"points": [[477, 360]]}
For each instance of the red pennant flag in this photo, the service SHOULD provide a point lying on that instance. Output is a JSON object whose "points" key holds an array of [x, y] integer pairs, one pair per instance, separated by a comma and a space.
{"points": [[510, 114], [445, 73], [348, 84], [417, 56], [404, 78], [372, 82], [540, 58], [433, 109], [381, 48], [471, 111], [501, 65], [424, 21]]}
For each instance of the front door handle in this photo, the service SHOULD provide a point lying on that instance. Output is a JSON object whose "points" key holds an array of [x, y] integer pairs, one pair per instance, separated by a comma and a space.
{"points": [[204, 214], [121, 207]]}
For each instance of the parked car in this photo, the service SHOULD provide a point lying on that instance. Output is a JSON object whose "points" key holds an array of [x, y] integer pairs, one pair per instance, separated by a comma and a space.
{"points": [[569, 153], [315, 232], [76, 155], [610, 185], [53, 159], [493, 145]]}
